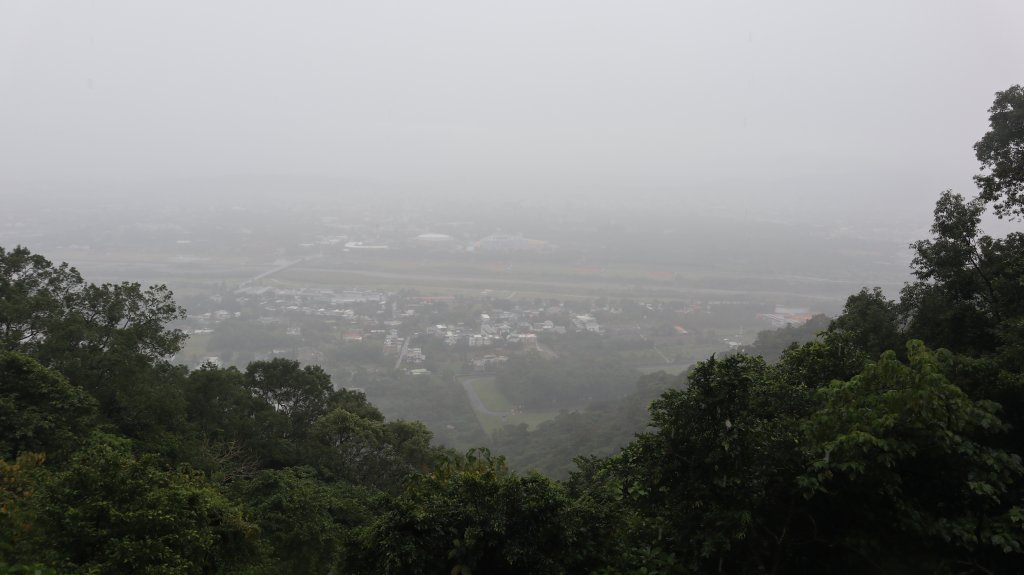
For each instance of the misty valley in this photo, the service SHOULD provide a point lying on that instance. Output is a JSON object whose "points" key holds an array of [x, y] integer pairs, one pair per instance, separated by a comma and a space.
{"points": [[418, 390], [463, 288], [438, 315]]}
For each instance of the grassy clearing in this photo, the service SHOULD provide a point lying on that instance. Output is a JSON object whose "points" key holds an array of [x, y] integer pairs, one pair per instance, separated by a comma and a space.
{"points": [[490, 395], [535, 283], [492, 398], [675, 369], [492, 423]]}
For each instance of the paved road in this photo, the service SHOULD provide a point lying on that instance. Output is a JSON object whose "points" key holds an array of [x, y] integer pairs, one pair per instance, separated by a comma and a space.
{"points": [[401, 354], [478, 404], [581, 287], [663, 356], [273, 271]]}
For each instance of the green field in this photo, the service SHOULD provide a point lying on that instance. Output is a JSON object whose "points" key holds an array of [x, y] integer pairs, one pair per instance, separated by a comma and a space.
{"points": [[673, 369], [492, 423], [666, 281], [488, 391], [524, 279], [492, 398]]}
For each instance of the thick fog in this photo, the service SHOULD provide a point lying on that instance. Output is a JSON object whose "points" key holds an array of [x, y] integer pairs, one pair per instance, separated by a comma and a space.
{"points": [[750, 103], [726, 142]]}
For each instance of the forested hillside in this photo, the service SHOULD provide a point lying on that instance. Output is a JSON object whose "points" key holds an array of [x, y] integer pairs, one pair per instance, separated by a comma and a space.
{"points": [[889, 443]]}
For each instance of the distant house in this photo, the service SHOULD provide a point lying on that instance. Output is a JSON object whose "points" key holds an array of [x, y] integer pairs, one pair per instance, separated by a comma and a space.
{"points": [[527, 339], [786, 316], [432, 241], [501, 243], [393, 343], [586, 322], [488, 361], [439, 329], [546, 325]]}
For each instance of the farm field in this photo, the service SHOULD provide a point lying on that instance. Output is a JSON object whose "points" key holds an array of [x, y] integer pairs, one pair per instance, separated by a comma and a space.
{"points": [[492, 408]]}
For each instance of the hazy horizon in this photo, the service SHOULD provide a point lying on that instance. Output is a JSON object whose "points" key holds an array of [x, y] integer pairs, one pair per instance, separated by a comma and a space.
{"points": [[825, 108]]}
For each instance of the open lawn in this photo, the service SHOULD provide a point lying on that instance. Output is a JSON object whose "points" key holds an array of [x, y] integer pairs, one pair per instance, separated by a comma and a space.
{"points": [[671, 369], [493, 399], [528, 281], [492, 423], [497, 410]]}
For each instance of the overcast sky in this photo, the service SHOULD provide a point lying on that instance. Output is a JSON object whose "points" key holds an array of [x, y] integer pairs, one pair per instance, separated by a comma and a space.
{"points": [[881, 100]]}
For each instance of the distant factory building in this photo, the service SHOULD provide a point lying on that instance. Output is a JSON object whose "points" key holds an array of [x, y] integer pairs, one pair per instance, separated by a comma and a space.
{"points": [[434, 241], [786, 316], [501, 243]]}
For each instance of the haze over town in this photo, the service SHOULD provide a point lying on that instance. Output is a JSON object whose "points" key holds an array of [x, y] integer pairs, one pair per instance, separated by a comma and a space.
{"points": [[561, 287], [279, 164]]}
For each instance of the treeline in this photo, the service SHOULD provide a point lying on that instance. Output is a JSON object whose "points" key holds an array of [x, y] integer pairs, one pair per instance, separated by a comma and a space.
{"points": [[601, 429], [892, 443], [117, 461]]}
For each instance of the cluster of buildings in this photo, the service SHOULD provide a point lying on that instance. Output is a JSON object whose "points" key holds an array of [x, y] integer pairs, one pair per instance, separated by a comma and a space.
{"points": [[308, 301], [210, 318], [488, 362], [497, 328], [399, 237], [395, 321], [400, 346], [786, 316], [588, 323], [393, 344], [503, 243]]}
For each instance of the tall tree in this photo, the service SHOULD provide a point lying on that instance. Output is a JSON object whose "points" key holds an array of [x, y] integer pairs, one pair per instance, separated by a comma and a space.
{"points": [[34, 296], [54, 315], [472, 516], [968, 284], [872, 322], [110, 511], [298, 393], [39, 410], [304, 522], [1001, 153], [716, 475], [905, 477], [112, 340]]}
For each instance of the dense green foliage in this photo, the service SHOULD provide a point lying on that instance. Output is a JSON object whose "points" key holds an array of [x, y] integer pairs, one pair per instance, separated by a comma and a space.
{"points": [[602, 429], [889, 443], [771, 343], [39, 410], [116, 461], [894, 470], [1001, 151], [472, 516]]}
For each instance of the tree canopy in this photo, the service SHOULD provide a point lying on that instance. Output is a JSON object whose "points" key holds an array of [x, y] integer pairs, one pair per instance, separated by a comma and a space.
{"points": [[1001, 153]]}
